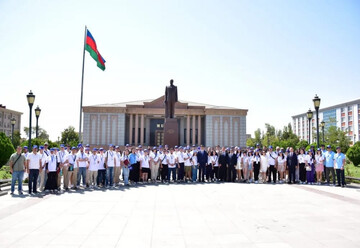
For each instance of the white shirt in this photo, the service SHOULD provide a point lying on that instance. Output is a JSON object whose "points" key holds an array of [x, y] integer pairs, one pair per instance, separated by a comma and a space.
{"points": [[187, 159], [154, 157], [101, 161], [171, 159], [281, 160], [110, 158], [301, 158], [194, 160], [43, 159], [62, 156], [81, 155], [180, 156], [256, 159], [34, 160], [71, 160], [271, 157], [93, 162], [309, 159], [118, 159], [52, 160], [319, 159], [214, 161], [163, 158], [144, 161]]}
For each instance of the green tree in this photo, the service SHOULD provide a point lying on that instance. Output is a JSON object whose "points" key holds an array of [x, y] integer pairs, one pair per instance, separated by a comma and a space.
{"points": [[42, 133], [353, 154], [69, 136], [302, 144], [6, 149], [39, 142], [17, 138], [335, 137]]}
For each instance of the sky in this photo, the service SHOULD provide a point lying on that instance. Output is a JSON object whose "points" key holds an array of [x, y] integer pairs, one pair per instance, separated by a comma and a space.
{"points": [[270, 57]]}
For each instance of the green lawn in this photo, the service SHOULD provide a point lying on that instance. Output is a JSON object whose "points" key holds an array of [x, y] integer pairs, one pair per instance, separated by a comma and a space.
{"points": [[352, 171]]}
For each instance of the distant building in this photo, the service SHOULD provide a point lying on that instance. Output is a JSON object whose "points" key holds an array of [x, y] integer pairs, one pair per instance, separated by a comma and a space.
{"points": [[5, 120], [142, 122], [345, 116]]}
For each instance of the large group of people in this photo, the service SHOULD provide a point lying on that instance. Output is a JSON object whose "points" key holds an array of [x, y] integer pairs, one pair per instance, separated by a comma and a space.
{"points": [[71, 168]]}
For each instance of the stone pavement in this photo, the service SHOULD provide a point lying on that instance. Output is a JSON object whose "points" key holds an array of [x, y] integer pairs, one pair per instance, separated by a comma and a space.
{"points": [[185, 215]]}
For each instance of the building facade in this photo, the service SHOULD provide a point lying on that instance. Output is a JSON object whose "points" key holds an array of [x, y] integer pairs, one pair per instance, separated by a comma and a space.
{"points": [[5, 120], [345, 116], [142, 123]]}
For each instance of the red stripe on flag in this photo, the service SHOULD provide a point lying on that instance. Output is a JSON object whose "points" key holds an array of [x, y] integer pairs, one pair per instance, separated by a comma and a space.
{"points": [[100, 59], [91, 43]]}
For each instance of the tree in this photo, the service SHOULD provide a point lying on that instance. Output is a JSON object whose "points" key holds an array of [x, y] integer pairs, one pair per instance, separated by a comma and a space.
{"points": [[69, 136], [17, 138], [302, 144], [6, 149], [42, 134], [353, 153], [39, 142], [335, 137]]}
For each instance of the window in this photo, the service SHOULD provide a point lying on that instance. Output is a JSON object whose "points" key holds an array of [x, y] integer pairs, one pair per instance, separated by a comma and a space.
{"points": [[159, 125], [342, 119], [342, 110], [350, 108], [350, 128], [350, 118]]}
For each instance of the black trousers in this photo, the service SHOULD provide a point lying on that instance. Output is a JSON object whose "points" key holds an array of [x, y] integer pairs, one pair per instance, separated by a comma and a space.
{"points": [[340, 174], [208, 172], [101, 177], [256, 171], [231, 173], [215, 173], [51, 182], [291, 173], [181, 171], [222, 172], [272, 171], [302, 172], [164, 172], [202, 172], [136, 171], [33, 177]]}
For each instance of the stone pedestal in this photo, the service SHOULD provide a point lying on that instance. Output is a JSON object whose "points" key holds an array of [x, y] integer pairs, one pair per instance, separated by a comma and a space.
{"points": [[171, 132]]}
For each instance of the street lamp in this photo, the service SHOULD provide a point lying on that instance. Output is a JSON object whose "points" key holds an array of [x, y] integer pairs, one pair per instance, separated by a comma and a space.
{"points": [[309, 115], [322, 124], [316, 101], [37, 114], [31, 99], [354, 138], [13, 121]]}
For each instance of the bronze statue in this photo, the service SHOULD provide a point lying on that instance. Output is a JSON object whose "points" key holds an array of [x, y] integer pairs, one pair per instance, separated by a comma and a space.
{"points": [[171, 97]]}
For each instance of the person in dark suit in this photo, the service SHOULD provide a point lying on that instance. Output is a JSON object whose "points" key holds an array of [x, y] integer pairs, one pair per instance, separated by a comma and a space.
{"points": [[291, 163], [223, 163], [202, 157], [231, 171]]}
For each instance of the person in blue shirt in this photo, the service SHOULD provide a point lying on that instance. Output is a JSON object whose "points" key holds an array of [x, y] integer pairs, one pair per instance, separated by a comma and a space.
{"points": [[339, 164], [329, 165]]}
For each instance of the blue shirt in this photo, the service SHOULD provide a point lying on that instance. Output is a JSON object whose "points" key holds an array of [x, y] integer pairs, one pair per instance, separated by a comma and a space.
{"points": [[329, 159], [339, 160], [132, 158]]}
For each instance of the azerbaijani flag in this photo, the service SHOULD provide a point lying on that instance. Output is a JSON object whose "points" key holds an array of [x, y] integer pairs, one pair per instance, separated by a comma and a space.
{"points": [[90, 46]]}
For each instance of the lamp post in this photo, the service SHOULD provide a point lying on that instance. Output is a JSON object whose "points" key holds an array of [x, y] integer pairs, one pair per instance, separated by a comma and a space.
{"points": [[31, 99], [354, 138], [316, 101], [13, 121], [322, 124], [37, 114], [309, 115]]}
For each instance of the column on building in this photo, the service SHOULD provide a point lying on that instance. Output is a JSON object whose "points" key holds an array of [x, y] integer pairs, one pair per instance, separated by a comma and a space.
{"points": [[142, 130], [131, 128], [188, 130], [199, 129], [136, 129], [194, 129]]}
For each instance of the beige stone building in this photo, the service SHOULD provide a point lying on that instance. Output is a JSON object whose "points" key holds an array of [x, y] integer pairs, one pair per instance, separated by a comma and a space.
{"points": [[142, 122], [5, 120]]}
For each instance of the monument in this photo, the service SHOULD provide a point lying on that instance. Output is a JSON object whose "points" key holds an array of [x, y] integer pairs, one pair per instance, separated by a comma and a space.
{"points": [[171, 126]]}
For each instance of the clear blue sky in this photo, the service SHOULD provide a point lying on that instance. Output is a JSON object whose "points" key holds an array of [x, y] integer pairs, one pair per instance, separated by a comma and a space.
{"points": [[270, 57]]}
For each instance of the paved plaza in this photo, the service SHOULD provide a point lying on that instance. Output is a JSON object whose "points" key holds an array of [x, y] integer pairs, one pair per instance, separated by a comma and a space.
{"points": [[185, 215]]}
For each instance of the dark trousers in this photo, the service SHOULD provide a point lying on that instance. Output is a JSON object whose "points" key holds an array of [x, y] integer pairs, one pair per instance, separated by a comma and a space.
{"points": [[173, 171], [164, 172], [101, 177], [215, 173], [340, 174], [272, 171], [222, 172], [302, 172], [202, 173], [135, 172], [33, 177], [291, 173], [51, 182], [327, 172], [256, 171], [231, 173], [208, 172], [181, 171]]}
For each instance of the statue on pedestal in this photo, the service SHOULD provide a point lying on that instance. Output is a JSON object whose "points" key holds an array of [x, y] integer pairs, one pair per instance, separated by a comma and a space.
{"points": [[171, 97]]}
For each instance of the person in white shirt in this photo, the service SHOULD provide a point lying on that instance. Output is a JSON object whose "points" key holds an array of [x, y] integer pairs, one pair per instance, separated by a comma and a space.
{"points": [[195, 165], [51, 170], [171, 160], [319, 165], [302, 169], [101, 169], [145, 165], [93, 168], [63, 166], [164, 166], [187, 164], [244, 162], [82, 164], [272, 156], [33, 168], [117, 168], [70, 176], [215, 166], [256, 160], [42, 172], [154, 164], [181, 161], [25, 153], [264, 164], [281, 165], [125, 167], [110, 164]]}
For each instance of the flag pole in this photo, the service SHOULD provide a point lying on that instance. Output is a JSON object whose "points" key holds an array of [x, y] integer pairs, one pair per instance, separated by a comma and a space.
{"points": [[82, 87]]}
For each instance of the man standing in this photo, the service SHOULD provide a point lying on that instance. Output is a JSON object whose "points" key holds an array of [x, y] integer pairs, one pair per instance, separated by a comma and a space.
{"points": [[117, 168], [180, 157], [272, 158], [339, 165], [82, 164], [63, 166], [291, 163], [171, 160], [17, 168], [164, 166], [93, 168], [231, 170], [223, 163], [110, 164], [71, 163], [202, 158], [33, 167], [329, 165], [42, 175]]}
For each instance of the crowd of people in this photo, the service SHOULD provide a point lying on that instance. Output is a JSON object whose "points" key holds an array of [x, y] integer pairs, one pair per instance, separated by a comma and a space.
{"points": [[72, 168]]}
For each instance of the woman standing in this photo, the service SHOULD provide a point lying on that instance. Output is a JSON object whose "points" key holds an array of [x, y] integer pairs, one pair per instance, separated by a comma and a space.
{"points": [[154, 164], [51, 167], [194, 166], [245, 165], [215, 163], [319, 165], [250, 167], [145, 166], [125, 167], [239, 165], [302, 170], [256, 165], [281, 165], [310, 167], [264, 164]]}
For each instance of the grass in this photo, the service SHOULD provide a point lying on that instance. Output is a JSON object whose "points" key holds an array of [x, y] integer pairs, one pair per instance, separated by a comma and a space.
{"points": [[352, 171], [5, 172]]}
